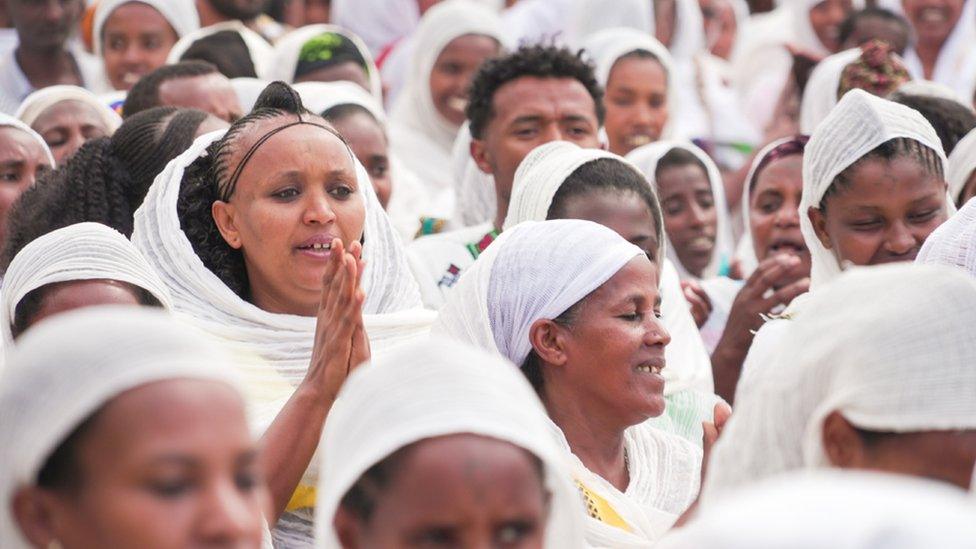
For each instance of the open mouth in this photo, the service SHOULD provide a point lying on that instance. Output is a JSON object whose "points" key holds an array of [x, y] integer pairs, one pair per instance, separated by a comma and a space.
{"points": [[650, 368], [131, 78], [457, 103], [701, 244], [932, 16], [788, 246], [638, 140]]}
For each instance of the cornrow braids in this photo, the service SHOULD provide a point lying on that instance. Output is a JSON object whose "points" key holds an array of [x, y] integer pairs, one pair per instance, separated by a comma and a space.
{"points": [[145, 93]]}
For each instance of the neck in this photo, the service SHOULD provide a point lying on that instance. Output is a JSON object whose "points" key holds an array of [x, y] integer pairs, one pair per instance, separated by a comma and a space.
{"points": [[928, 54], [48, 67], [500, 212]]}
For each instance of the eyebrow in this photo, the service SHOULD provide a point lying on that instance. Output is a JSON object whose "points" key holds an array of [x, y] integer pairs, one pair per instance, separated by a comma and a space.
{"points": [[12, 163]]}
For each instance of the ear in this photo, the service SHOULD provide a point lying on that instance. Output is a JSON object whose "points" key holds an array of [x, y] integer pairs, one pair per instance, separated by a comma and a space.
{"points": [[842, 444], [548, 341], [34, 510], [819, 222], [224, 217], [347, 529], [479, 153]]}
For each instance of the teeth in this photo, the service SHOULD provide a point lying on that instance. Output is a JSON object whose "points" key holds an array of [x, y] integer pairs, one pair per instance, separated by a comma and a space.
{"points": [[638, 140], [130, 78], [321, 246], [457, 103], [649, 369]]}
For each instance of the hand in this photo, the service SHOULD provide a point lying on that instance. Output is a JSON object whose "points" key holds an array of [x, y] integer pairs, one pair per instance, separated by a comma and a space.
{"points": [[735, 270], [701, 305], [752, 302], [712, 430]]}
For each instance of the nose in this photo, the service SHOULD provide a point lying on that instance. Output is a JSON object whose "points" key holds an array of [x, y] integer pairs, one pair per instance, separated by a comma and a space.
{"points": [[227, 515], [696, 215], [899, 239], [74, 143], [787, 216], [132, 54], [656, 334], [644, 114], [318, 210], [53, 10]]}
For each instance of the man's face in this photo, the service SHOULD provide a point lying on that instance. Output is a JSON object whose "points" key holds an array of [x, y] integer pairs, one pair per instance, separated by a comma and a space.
{"points": [[44, 24]]}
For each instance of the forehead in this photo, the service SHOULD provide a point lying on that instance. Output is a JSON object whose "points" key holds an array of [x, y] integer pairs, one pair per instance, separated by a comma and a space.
{"points": [[195, 87], [878, 180], [134, 13], [67, 112], [16, 144], [639, 277], [546, 97], [306, 139], [787, 169], [684, 177]]}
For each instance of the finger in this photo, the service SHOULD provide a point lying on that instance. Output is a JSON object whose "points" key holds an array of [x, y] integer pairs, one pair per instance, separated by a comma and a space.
{"points": [[769, 272], [786, 294], [331, 266], [720, 415], [356, 249]]}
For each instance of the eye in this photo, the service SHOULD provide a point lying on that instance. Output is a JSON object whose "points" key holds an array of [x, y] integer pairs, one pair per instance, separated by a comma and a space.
{"points": [[635, 316], [514, 532], [525, 133], [286, 194], [706, 200], [437, 537], [866, 224], [170, 488], [342, 192], [923, 216], [246, 481], [9, 176], [673, 207]]}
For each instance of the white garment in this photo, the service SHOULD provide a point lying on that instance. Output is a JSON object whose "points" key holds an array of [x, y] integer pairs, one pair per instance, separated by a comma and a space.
{"points": [[11, 122], [835, 510], [534, 21], [439, 388], [15, 87], [275, 348], [688, 37], [288, 48], [954, 242], [378, 22], [180, 14], [956, 57], [858, 124], [80, 361], [438, 260], [260, 50], [721, 292], [85, 251], [538, 270], [820, 93], [474, 190], [647, 157], [419, 134], [248, 90], [35, 104], [919, 87], [962, 162]]}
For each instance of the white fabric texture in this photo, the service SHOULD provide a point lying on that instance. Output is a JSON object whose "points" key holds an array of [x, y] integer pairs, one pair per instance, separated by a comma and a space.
{"points": [[835, 510], [474, 190], [275, 348], [36, 103], [7, 121], [858, 124], [110, 350], [647, 157], [954, 242], [962, 162], [919, 87], [180, 14], [319, 97], [288, 48], [687, 39], [820, 94], [261, 51], [248, 90], [432, 389], [539, 270], [15, 87], [956, 57], [378, 22], [419, 134], [85, 251], [902, 363]]}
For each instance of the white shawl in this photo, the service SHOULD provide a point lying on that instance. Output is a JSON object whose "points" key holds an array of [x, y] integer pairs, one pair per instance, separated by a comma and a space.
{"points": [[431, 389], [820, 93], [259, 48], [474, 190], [287, 49], [956, 57], [687, 40], [85, 251], [37, 102], [378, 22], [962, 162], [954, 242], [7, 121], [180, 14]]}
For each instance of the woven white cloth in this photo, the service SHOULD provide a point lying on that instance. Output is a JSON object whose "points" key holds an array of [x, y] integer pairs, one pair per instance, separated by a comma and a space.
{"points": [[859, 123], [419, 134], [319, 97], [835, 510], [954, 242], [646, 158], [962, 162], [379, 23], [920, 87], [432, 389], [37, 102], [955, 62], [248, 90], [261, 51], [85, 251], [110, 350], [180, 14], [820, 93], [902, 363], [688, 39], [287, 49], [11, 122], [539, 270], [474, 190]]}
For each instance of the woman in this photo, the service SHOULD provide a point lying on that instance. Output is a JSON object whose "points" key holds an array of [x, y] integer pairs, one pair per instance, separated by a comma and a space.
{"points": [[258, 255], [677, 23], [67, 117], [78, 266], [548, 296], [962, 166], [398, 456], [233, 47], [133, 37], [693, 199], [24, 157], [943, 36], [562, 181], [452, 41], [325, 53], [147, 445]]}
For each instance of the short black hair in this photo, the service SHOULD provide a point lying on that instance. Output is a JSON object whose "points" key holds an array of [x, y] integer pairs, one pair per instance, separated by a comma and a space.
{"points": [[849, 24], [950, 119], [541, 61], [145, 93], [340, 112], [226, 50], [678, 157]]}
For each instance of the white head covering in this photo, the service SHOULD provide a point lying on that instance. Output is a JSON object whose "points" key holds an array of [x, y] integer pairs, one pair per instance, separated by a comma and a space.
{"points": [[596, 15], [647, 157], [180, 14], [259, 48], [432, 389], [10, 122], [954, 65], [85, 251], [607, 46], [954, 242], [858, 124], [899, 359], [820, 93], [378, 22], [834, 510], [35, 104], [80, 361], [289, 47], [248, 90], [928, 88], [474, 190], [962, 162], [319, 97]]}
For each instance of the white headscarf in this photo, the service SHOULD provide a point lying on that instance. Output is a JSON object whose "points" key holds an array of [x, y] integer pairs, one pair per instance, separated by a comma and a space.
{"points": [[956, 57], [432, 389], [607, 46], [180, 14], [954, 242], [899, 358], [858, 124], [962, 162], [687, 40], [85, 251], [80, 361], [10, 122], [836, 510], [647, 157], [248, 90], [259, 48], [474, 190], [289, 47], [418, 132], [928, 88], [820, 93], [378, 22], [538, 270], [35, 104], [319, 97]]}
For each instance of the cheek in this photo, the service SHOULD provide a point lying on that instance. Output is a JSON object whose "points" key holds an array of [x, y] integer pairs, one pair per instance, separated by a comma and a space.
{"points": [[8, 195], [350, 219], [126, 515]]}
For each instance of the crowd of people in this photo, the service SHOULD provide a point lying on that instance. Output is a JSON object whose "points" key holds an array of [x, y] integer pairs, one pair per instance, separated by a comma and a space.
{"points": [[488, 273]]}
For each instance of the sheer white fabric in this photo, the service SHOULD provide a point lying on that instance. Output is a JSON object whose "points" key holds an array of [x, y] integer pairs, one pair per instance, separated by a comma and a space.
{"points": [[432, 389], [688, 36], [962, 163], [820, 94], [261, 51], [287, 49], [956, 57], [7, 121], [474, 190], [36, 103], [180, 14], [954, 242], [379, 23]]}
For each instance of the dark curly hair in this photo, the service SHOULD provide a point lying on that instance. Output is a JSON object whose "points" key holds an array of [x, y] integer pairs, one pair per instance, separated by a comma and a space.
{"points": [[209, 179], [950, 119], [145, 93], [226, 50], [541, 61]]}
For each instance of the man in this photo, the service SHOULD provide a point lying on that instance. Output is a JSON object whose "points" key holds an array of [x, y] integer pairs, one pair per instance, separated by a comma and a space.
{"points": [[46, 54], [249, 12], [530, 97], [191, 84]]}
